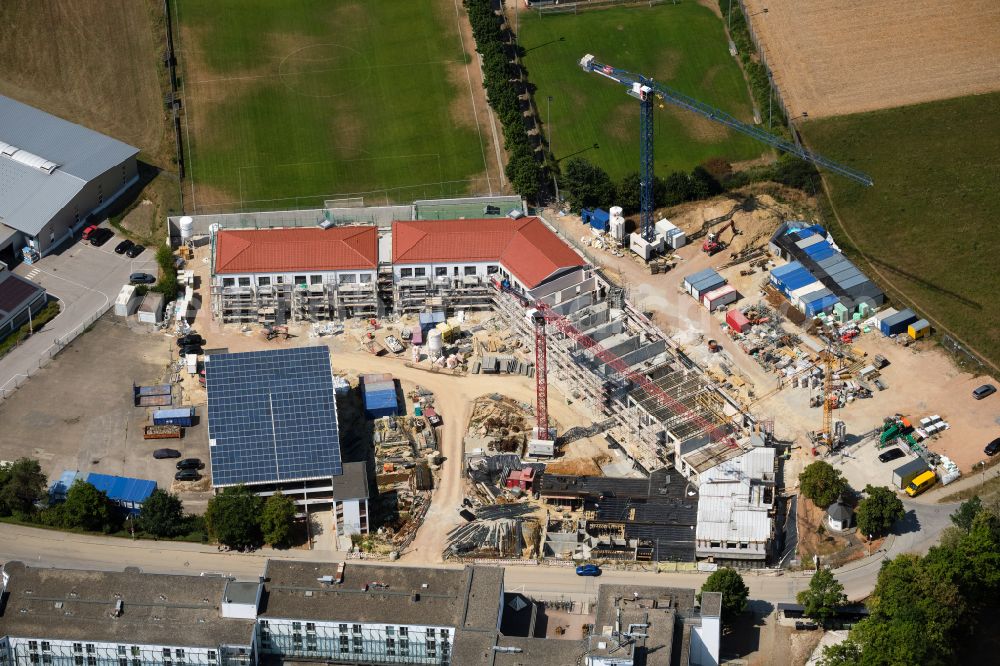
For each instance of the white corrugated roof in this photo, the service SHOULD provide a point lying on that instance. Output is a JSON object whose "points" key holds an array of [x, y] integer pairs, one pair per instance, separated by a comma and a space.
{"points": [[730, 506]]}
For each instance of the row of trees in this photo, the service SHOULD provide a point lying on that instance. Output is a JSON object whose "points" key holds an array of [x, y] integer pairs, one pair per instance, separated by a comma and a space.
{"points": [[936, 609], [586, 185], [235, 517], [501, 79]]}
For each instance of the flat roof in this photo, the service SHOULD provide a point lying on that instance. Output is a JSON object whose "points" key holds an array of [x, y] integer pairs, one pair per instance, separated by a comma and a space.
{"points": [[16, 292], [658, 607], [465, 599], [353, 483], [157, 609]]}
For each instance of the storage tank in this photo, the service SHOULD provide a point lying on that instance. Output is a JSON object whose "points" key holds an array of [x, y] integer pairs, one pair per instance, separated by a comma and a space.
{"points": [[187, 228], [435, 343], [616, 211]]}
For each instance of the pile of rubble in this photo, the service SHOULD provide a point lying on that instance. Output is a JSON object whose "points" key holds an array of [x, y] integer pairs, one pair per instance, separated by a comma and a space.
{"points": [[499, 424], [496, 531]]}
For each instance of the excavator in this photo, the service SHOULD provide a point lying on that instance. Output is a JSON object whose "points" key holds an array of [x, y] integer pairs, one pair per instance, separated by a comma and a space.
{"points": [[714, 243]]}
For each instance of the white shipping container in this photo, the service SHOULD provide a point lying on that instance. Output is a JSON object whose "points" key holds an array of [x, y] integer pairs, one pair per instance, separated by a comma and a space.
{"points": [[192, 364], [127, 301], [722, 296], [796, 295], [676, 239]]}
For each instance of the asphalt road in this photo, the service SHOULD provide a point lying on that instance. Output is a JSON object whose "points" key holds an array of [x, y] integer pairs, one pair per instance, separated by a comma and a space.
{"points": [[85, 279], [48, 548]]}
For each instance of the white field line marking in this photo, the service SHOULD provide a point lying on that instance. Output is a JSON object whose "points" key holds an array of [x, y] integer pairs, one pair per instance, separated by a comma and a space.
{"points": [[472, 96]]}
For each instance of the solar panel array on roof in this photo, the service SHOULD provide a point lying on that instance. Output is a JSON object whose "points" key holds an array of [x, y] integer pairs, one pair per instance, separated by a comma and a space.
{"points": [[272, 416]]}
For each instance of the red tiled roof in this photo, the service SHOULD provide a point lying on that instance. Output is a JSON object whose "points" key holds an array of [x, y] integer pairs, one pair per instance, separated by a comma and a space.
{"points": [[301, 249], [525, 247]]}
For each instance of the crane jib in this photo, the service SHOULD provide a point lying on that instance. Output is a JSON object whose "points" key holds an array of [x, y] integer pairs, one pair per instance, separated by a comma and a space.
{"points": [[671, 96]]}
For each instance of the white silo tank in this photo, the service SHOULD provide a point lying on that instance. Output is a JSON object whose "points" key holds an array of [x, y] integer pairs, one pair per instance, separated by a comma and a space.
{"points": [[187, 228], [435, 344], [615, 211]]}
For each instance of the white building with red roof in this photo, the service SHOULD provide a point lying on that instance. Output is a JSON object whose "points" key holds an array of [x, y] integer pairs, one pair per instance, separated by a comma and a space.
{"points": [[271, 275], [307, 273]]}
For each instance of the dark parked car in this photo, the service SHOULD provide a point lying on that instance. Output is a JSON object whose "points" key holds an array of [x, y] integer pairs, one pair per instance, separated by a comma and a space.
{"points": [[160, 454], [100, 236], [993, 447], [890, 455], [468, 515], [187, 475], [190, 339], [983, 391], [190, 463], [124, 246], [141, 278], [588, 570], [135, 251], [190, 349]]}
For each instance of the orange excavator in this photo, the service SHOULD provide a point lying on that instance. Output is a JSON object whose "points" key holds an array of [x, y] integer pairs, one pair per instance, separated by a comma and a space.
{"points": [[713, 241]]}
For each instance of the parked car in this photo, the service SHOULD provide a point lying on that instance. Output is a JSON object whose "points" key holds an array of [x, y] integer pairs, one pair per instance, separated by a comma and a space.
{"points": [[993, 447], [588, 570], [190, 339], [141, 278], [983, 391], [100, 236], [806, 626], [124, 246], [135, 251], [160, 454], [89, 231], [190, 463], [468, 515], [187, 475], [890, 455]]}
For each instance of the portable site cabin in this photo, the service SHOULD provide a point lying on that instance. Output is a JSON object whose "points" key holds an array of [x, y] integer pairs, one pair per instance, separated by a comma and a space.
{"points": [[720, 297], [906, 472], [898, 322], [919, 329], [737, 321]]}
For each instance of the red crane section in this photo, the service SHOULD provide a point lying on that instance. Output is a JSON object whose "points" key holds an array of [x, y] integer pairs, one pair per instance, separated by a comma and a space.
{"points": [[541, 378]]}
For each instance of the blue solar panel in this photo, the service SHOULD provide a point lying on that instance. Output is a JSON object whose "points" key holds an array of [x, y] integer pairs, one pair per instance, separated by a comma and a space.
{"points": [[272, 416]]}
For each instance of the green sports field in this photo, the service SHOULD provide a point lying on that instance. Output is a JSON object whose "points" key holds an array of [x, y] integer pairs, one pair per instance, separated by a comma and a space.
{"points": [[927, 229], [290, 102], [682, 46]]}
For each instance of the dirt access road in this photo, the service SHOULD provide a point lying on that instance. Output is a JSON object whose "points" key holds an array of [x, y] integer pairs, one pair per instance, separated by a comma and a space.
{"points": [[837, 58]]}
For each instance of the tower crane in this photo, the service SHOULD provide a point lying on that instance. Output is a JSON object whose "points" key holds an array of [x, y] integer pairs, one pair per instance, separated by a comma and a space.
{"points": [[646, 90]]}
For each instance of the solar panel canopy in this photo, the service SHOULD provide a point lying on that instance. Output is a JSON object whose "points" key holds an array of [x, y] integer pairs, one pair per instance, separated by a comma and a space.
{"points": [[272, 416]]}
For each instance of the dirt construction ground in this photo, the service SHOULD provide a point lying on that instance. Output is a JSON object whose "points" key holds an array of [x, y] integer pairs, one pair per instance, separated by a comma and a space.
{"points": [[837, 58]]}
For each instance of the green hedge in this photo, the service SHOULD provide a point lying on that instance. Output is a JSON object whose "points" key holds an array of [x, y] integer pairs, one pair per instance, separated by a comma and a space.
{"points": [[37, 322], [756, 72], [167, 284]]}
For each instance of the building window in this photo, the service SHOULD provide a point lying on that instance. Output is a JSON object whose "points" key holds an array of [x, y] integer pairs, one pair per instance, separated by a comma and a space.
{"points": [[366, 278], [311, 626], [470, 270], [91, 661], [279, 279], [456, 271], [311, 644], [296, 626], [34, 657], [166, 652], [403, 631], [46, 658], [431, 646], [358, 646], [419, 272], [405, 272], [122, 661], [430, 633], [77, 647], [78, 660], [441, 271], [245, 282], [390, 645], [46, 646], [121, 649], [404, 646], [33, 645], [444, 634], [300, 279], [390, 631], [263, 282], [356, 629], [348, 278], [90, 648], [136, 661], [343, 628], [228, 282], [490, 270], [179, 653], [135, 650], [315, 279], [343, 642], [168, 662]]}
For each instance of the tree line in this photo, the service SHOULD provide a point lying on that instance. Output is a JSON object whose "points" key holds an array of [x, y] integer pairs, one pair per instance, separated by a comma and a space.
{"points": [[236, 517], [502, 80]]}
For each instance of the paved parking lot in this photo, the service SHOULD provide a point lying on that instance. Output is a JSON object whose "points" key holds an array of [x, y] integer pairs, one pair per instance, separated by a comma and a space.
{"points": [[85, 279], [77, 412]]}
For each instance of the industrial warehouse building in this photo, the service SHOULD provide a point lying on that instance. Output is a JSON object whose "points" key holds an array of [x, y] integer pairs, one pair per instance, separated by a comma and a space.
{"points": [[339, 613], [55, 176]]}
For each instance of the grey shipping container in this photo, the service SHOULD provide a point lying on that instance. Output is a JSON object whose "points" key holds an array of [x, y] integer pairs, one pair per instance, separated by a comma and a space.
{"points": [[905, 473]]}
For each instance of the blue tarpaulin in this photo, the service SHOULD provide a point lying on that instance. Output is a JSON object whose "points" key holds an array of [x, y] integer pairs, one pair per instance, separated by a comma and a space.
{"points": [[127, 492], [381, 402]]}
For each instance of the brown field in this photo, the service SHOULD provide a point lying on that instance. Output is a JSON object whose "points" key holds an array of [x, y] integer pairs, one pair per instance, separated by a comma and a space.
{"points": [[90, 61], [838, 58]]}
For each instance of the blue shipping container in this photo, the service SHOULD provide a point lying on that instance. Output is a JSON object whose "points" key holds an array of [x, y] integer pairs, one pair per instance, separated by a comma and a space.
{"points": [[183, 416], [381, 403], [600, 219], [898, 322]]}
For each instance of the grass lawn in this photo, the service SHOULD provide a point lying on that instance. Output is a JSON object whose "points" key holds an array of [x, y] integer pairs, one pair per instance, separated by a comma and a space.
{"points": [[682, 46], [929, 223], [293, 101]]}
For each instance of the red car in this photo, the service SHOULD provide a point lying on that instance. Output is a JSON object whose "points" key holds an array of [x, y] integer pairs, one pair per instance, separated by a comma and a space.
{"points": [[89, 231]]}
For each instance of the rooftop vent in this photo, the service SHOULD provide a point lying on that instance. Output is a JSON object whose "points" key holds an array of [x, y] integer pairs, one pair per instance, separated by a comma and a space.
{"points": [[326, 580], [119, 608], [59, 604], [309, 593]]}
